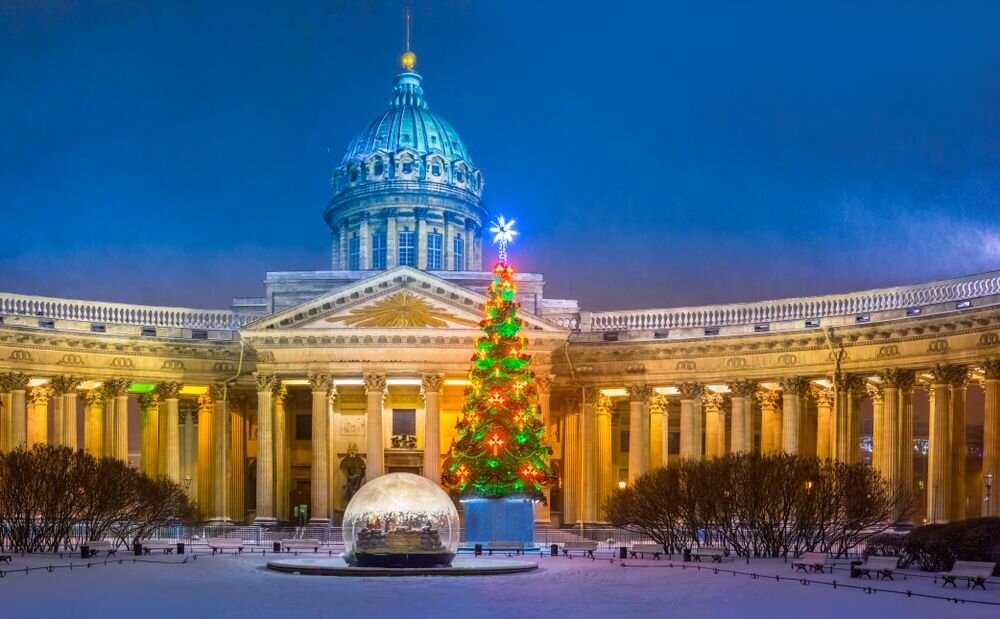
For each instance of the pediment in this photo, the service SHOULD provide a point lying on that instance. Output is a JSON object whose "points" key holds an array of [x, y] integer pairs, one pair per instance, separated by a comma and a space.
{"points": [[403, 298]]}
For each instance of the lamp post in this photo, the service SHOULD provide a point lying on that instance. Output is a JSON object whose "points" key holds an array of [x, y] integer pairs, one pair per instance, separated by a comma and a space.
{"points": [[989, 494]]}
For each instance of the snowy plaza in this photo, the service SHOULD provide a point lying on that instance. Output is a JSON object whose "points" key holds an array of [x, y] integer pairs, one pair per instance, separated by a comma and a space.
{"points": [[241, 586]]}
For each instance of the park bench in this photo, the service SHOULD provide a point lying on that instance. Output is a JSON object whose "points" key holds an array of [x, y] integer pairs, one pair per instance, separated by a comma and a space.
{"points": [[882, 566], [165, 546], [712, 552], [641, 550], [514, 547], [6, 559], [288, 545], [97, 546], [974, 573], [222, 544], [587, 547], [810, 562]]}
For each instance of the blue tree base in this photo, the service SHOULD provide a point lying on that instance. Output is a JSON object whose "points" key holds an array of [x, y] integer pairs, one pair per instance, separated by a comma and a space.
{"points": [[499, 520]]}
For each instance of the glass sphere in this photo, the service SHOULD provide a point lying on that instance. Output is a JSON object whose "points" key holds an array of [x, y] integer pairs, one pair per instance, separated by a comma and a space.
{"points": [[400, 520]]}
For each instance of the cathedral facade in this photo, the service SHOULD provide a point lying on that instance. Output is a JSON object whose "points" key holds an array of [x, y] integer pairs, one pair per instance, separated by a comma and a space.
{"points": [[265, 411]]}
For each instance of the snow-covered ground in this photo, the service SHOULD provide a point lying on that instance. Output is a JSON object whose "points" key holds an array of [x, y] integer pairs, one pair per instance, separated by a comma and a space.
{"points": [[241, 587]]}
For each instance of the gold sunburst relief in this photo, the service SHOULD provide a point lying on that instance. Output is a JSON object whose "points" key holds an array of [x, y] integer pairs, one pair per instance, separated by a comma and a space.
{"points": [[403, 309]]}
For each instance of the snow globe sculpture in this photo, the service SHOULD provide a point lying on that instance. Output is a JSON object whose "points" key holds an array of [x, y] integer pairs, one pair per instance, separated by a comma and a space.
{"points": [[400, 520]]}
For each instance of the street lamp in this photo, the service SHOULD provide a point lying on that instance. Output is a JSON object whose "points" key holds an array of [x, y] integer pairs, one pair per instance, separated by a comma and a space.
{"points": [[989, 494], [622, 484]]}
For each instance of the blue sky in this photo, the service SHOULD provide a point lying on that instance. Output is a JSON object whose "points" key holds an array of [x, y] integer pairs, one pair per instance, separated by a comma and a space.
{"points": [[655, 154]]}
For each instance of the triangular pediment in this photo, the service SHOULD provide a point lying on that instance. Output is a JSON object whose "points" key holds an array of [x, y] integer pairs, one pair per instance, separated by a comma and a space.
{"points": [[403, 298]]}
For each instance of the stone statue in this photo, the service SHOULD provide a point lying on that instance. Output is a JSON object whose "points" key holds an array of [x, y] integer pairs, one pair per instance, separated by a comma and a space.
{"points": [[353, 467]]}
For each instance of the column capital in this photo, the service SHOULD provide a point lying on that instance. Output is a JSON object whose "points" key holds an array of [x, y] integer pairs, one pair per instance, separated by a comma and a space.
{"points": [[544, 382], [691, 391], [168, 390], [743, 388], [711, 401], [571, 403], [768, 399], [822, 395], [431, 383], [114, 387], [205, 403], [280, 394], [657, 403], [955, 376], [218, 391], [93, 397], [794, 385], [991, 369], [875, 392], [639, 392], [148, 400], [849, 383], [266, 382], [894, 378], [41, 394], [65, 384], [15, 381], [590, 395], [603, 404], [375, 382]]}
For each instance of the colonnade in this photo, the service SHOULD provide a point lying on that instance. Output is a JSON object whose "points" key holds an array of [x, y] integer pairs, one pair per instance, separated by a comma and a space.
{"points": [[792, 414]]}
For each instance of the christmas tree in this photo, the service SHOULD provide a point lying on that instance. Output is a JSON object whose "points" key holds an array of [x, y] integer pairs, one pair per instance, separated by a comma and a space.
{"points": [[499, 451]]}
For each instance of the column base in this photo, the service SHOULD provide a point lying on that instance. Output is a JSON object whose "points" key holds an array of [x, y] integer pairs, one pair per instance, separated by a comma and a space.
{"points": [[265, 521], [319, 522]]}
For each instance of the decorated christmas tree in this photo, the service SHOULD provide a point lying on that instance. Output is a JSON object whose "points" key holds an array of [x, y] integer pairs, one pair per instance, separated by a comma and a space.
{"points": [[499, 451]]}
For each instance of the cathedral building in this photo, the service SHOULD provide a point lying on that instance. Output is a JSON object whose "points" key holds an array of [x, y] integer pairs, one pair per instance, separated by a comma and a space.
{"points": [[263, 410]]}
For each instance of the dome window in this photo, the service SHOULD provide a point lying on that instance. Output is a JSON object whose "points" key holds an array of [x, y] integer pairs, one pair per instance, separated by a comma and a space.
{"points": [[407, 167], [378, 168], [406, 137], [460, 175], [436, 170], [354, 175]]}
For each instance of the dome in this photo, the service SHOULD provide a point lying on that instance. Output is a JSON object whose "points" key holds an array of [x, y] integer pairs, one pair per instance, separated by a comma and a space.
{"points": [[409, 125], [400, 520]]}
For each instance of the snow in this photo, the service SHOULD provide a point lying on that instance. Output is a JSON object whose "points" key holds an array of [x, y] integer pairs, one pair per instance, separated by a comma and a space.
{"points": [[241, 587]]}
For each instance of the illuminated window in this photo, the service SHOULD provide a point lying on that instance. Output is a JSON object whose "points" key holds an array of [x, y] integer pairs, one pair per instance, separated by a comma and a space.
{"points": [[434, 251], [458, 247], [407, 256], [378, 250], [354, 253]]}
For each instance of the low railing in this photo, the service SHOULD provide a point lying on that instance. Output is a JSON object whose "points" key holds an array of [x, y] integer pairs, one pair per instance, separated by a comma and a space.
{"points": [[119, 313], [905, 297]]}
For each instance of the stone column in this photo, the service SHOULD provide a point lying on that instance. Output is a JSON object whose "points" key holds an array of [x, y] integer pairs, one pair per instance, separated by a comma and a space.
{"points": [[657, 433], [282, 461], [741, 437], [638, 430], [824, 422], [149, 428], [447, 245], [220, 439], [895, 449], [571, 461], [938, 450], [431, 390], [991, 431], [543, 510], [957, 380], [5, 416], [168, 450], [770, 421], [38, 417], [65, 419], [691, 420], [904, 383], [343, 244], [189, 466], [237, 505], [470, 235], [364, 243], [391, 239], [375, 388], [93, 420], [322, 386], [607, 478], [58, 414], [878, 425], [335, 249], [18, 384], [588, 455], [116, 396], [206, 411], [421, 238], [266, 386], [793, 388], [847, 390], [715, 425]]}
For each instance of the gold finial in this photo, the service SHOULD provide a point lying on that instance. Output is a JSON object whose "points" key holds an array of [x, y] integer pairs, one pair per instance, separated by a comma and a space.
{"points": [[408, 60]]}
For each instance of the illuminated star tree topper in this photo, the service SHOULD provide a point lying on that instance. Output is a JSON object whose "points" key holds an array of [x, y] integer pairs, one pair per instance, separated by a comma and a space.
{"points": [[503, 233]]}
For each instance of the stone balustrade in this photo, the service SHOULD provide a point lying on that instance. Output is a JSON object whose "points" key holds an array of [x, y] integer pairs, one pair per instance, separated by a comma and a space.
{"points": [[119, 313], [892, 303]]}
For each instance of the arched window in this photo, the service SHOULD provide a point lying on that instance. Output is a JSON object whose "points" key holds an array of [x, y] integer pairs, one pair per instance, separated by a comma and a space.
{"points": [[436, 169], [354, 175], [378, 168]]}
